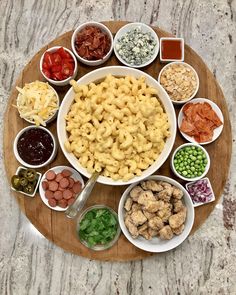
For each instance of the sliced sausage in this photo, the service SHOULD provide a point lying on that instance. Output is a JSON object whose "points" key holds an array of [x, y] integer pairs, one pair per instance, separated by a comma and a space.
{"points": [[61, 189], [58, 195], [63, 203], [49, 194], [71, 201], [45, 185], [67, 194], [50, 175], [53, 185], [52, 202], [64, 182], [66, 173], [77, 187], [59, 177], [71, 181]]}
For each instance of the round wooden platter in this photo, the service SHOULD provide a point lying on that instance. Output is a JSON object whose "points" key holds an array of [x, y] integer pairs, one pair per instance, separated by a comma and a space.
{"points": [[54, 225]]}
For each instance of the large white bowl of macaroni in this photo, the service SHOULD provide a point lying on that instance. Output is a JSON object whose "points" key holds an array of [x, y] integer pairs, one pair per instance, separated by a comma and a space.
{"points": [[118, 121]]}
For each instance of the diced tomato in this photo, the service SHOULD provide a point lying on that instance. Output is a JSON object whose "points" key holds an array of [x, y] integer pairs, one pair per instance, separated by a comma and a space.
{"points": [[48, 59], [57, 76], [45, 66], [56, 68], [63, 53], [56, 58], [47, 73], [67, 64]]}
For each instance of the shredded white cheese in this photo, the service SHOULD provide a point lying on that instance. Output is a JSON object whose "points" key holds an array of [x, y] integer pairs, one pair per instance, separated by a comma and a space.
{"points": [[37, 102]]}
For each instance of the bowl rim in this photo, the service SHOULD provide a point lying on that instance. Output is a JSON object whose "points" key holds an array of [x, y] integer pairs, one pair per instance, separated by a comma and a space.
{"points": [[49, 119], [214, 107], [19, 159], [65, 81], [195, 178], [190, 213], [179, 102], [105, 29], [107, 180], [173, 39], [132, 25], [58, 168], [97, 247]]}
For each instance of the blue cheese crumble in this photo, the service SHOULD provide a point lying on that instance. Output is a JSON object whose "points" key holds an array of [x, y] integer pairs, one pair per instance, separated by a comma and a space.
{"points": [[136, 47]]}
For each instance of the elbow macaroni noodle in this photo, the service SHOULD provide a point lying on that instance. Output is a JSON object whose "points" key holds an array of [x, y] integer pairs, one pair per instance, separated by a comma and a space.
{"points": [[117, 126]]}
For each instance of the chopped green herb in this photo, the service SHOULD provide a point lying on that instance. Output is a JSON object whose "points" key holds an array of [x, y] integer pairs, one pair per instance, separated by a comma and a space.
{"points": [[98, 227]]}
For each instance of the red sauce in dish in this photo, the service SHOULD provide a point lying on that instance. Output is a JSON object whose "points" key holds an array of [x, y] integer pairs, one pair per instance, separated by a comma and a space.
{"points": [[35, 146], [92, 44], [171, 49]]}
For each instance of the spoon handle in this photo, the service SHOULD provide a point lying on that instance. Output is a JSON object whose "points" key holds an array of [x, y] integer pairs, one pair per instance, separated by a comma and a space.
{"points": [[82, 197]]}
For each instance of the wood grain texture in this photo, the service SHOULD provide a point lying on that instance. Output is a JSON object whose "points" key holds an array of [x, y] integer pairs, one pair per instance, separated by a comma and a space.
{"points": [[205, 262], [55, 225]]}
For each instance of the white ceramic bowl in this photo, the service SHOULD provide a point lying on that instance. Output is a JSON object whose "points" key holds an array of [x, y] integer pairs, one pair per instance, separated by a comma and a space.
{"points": [[156, 244], [181, 40], [57, 169], [65, 81], [98, 75], [194, 178], [144, 28], [49, 119], [36, 186], [195, 73], [217, 131], [19, 159], [104, 29]]}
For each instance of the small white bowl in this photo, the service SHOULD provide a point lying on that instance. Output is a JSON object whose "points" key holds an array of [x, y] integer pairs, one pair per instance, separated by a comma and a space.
{"points": [[57, 169], [194, 178], [19, 159], [104, 29], [156, 244], [36, 187], [52, 117], [196, 204], [144, 28], [171, 39], [180, 102], [217, 131], [65, 81]]}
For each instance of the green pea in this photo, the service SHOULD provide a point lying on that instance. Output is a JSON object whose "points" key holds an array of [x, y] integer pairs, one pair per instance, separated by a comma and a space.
{"points": [[184, 172]]}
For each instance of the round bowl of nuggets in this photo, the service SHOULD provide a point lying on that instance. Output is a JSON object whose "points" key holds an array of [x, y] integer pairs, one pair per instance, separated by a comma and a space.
{"points": [[156, 214]]}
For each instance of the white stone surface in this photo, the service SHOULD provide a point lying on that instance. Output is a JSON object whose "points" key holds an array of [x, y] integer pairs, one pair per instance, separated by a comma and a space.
{"points": [[205, 263]]}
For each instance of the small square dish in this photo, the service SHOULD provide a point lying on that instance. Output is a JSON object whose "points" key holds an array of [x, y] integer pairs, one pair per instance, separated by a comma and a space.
{"points": [[171, 49], [31, 181], [201, 192]]}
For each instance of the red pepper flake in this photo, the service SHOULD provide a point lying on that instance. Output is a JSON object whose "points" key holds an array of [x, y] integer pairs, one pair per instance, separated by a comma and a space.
{"points": [[92, 44]]}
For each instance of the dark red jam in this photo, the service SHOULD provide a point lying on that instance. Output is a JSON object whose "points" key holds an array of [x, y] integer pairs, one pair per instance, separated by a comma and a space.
{"points": [[35, 146]]}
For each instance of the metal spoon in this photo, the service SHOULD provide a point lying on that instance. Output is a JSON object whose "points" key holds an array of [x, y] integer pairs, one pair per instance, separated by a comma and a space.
{"points": [[82, 197]]}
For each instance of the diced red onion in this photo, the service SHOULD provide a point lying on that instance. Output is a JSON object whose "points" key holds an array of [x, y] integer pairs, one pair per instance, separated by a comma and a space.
{"points": [[200, 191]]}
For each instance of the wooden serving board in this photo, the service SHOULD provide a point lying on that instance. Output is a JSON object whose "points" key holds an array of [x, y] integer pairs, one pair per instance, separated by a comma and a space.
{"points": [[54, 225]]}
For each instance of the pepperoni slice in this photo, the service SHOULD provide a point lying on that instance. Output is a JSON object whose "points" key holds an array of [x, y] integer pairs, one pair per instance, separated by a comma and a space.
{"points": [[58, 195], [50, 175], [62, 203], [77, 187], [59, 177], [66, 173], [64, 182], [45, 185], [71, 181], [52, 202], [49, 194], [67, 194], [53, 185]]}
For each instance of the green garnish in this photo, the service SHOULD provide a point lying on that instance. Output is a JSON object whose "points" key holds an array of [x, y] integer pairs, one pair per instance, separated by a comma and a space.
{"points": [[98, 227]]}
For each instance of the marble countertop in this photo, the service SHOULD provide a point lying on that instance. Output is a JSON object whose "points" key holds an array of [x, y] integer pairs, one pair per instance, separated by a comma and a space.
{"points": [[205, 262]]}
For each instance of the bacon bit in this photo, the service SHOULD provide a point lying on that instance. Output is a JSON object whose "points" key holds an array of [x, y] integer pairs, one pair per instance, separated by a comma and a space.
{"points": [[92, 44], [199, 121]]}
